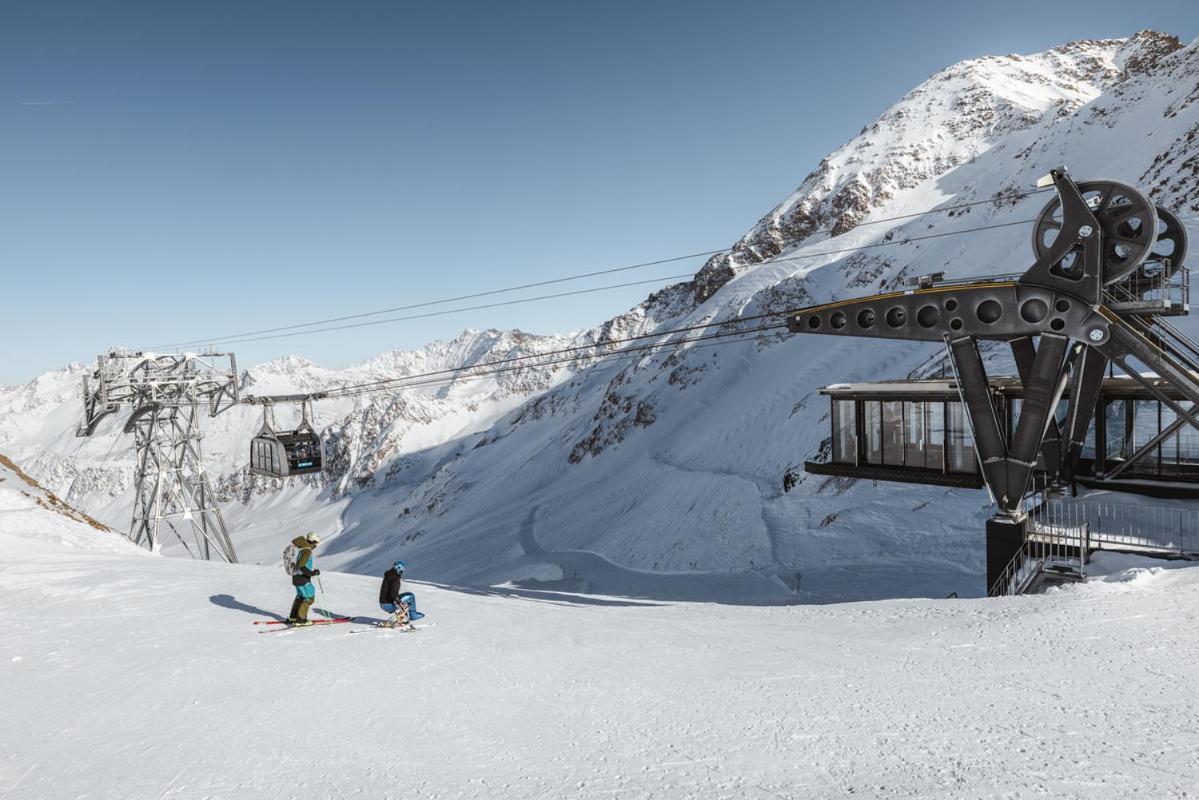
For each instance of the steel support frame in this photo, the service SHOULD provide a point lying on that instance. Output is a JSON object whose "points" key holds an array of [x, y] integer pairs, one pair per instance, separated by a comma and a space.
{"points": [[1126, 344], [166, 393], [1007, 468], [172, 487], [1024, 353], [1086, 380]]}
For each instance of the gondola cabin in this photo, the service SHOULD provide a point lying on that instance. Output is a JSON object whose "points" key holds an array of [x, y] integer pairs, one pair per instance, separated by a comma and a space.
{"points": [[282, 454]]}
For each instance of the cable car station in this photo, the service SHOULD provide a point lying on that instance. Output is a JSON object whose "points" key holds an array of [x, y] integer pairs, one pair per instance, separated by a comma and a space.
{"points": [[1095, 298], [916, 431]]}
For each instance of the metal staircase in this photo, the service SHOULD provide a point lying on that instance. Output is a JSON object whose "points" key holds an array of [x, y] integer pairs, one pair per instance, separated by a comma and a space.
{"points": [[1049, 556], [1063, 532]]}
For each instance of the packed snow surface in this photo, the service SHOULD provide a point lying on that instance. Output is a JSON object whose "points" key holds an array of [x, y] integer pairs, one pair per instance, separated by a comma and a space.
{"points": [[125, 675]]}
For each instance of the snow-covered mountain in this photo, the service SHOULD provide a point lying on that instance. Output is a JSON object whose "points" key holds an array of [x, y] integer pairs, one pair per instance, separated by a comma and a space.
{"points": [[945, 122], [662, 476]]}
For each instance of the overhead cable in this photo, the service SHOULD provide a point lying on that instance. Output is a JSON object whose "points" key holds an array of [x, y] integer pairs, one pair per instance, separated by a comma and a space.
{"points": [[241, 337], [625, 353]]}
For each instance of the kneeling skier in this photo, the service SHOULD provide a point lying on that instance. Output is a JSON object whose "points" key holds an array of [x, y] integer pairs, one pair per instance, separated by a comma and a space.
{"points": [[400, 605], [301, 578]]}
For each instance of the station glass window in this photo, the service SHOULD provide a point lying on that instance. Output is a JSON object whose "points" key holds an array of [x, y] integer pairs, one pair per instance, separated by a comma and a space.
{"points": [[1088, 443], [1168, 450], [1144, 428], [915, 433], [934, 437], [960, 442], [893, 432], [1188, 448], [872, 430], [845, 436], [1116, 425]]}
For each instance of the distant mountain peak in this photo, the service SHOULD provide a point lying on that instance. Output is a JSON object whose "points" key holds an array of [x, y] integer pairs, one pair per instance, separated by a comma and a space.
{"points": [[956, 114]]}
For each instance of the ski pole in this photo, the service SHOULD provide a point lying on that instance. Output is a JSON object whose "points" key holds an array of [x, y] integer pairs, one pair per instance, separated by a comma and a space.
{"points": [[324, 607]]}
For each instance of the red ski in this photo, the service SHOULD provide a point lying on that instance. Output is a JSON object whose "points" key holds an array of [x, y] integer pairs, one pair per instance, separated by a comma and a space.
{"points": [[314, 622]]}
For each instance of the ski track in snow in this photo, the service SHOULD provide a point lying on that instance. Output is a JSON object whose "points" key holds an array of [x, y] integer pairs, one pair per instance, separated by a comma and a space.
{"points": [[592, 573]]}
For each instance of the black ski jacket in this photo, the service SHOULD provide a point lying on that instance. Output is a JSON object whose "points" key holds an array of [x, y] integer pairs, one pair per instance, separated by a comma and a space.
{"points": [[389, 592]]}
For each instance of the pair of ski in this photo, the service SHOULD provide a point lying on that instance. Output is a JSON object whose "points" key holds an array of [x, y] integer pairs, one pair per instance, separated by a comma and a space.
{"points": [[284, 625], [409, 628]]}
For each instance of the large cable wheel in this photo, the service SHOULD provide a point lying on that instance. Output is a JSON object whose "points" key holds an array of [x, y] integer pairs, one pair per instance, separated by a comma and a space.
{"points": [[1126, 218], [1169, 251]]}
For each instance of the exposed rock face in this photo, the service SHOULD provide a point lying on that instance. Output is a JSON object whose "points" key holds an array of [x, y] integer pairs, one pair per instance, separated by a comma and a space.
{"points": [[949, 119]]}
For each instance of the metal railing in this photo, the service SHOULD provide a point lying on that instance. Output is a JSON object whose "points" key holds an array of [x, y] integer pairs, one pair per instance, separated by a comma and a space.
{"points": [[1006, 277], [1168, 336], [1160, 293], [1062, 532], [1131, 527], [1047, 550]]}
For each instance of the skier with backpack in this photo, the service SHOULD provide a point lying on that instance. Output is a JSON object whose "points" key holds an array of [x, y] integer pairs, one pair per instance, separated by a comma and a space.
{"points": [[400, 605], [299, 563]]}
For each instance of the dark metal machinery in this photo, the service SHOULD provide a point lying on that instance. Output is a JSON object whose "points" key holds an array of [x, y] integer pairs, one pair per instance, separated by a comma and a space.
{"points": [[1101, 250]]}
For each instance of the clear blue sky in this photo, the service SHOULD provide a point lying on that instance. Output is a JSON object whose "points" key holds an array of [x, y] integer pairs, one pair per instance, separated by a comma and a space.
{"points": [[174, 170]]}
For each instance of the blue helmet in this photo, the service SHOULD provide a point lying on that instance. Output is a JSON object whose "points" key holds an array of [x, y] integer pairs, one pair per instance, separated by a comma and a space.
{"points": [[399, 566]]}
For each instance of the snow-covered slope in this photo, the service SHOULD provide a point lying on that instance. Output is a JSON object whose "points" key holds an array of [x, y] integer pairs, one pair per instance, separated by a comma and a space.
{"points": [[950, 119], [662, 477], [125, 675], [33, 513]]}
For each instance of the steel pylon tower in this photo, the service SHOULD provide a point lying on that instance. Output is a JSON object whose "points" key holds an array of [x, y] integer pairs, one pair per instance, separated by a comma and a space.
{"points": [[172, 486], [166, 393]]}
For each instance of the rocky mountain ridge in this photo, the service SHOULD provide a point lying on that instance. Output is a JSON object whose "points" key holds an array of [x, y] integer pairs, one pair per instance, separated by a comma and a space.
{"points": [[948, 120]]}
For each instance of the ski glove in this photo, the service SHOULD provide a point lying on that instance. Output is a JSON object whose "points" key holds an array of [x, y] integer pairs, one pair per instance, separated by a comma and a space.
{"points": [[316, 572]]}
